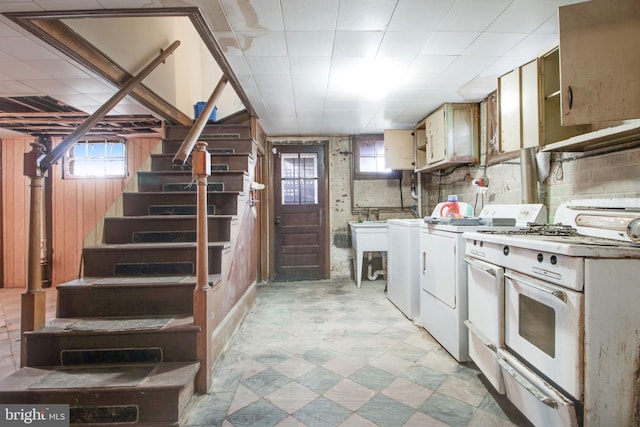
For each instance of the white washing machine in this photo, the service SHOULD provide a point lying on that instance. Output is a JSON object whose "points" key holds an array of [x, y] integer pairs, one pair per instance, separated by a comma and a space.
{"points": [[403, 268]]}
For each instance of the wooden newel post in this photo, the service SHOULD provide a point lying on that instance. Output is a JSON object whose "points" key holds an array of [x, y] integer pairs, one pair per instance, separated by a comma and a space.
{"points": [[201, 170], [33, 310]]}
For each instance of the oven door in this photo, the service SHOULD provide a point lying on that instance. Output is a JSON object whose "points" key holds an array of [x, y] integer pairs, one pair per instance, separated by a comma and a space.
{"points": [[538, 400], [544, 326], [485, 287]]}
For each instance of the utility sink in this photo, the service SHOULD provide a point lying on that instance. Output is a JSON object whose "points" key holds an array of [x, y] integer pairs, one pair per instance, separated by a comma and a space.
{"points": [[367, 236]]}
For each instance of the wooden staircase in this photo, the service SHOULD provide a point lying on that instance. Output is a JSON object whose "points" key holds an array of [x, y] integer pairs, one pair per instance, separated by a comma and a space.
{"points": [[123, 347]]}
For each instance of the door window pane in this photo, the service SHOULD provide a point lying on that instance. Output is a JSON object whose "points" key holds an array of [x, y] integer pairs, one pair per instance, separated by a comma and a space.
{"points": [[538, 324], [299, 172]]}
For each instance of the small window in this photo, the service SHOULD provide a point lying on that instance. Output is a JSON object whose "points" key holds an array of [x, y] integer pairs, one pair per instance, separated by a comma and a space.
{"points": [[368, 158], [96, 159], [299, 175]]}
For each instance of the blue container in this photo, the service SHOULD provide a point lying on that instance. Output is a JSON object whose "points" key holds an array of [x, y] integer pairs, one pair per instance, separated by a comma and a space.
{"points": [[199, 106]]}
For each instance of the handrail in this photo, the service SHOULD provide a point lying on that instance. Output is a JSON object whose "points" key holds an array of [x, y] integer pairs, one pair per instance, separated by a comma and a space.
{"points": [[90, 122], [194, 133]]}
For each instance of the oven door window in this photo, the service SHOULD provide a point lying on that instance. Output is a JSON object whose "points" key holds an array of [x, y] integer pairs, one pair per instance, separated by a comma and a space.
{"points": [[537, 324], [543, 326]]}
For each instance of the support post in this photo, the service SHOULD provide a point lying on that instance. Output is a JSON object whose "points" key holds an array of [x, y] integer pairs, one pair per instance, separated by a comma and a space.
{"points": [[202, 294], [33, 301]]}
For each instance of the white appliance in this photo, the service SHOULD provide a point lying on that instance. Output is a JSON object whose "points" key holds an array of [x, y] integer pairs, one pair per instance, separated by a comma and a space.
{"points": [[403, 267], [443, 273], [553, 317]]}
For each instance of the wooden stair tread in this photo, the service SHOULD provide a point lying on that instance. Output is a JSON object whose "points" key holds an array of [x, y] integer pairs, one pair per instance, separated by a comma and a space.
{"points": [[151, 281], [145, 246], [168, 217], [188, 172], [158, 376], [178, 322]]}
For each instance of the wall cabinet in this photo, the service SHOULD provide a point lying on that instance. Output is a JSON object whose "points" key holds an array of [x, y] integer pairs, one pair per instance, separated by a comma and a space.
{"points": [[600, 61], [398, 149], [529, 106], [448, 136]]}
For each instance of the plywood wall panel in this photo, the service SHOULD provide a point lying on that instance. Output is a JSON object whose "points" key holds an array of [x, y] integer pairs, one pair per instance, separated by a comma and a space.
{"points": [[78, 206]]}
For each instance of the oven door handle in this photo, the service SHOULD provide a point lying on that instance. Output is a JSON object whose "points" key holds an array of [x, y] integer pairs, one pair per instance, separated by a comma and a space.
{"points": [[485, 341], [487, 270], [527, 385], [562, 296]]}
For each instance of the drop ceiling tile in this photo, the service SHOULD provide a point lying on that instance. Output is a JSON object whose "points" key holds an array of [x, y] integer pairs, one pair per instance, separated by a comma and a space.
{"points": [[317, 84], [20, 71], [22, 48], [310, 15], [262, 44], [117, 4], [504, 65], [448, 43], [239, 66], [50, 87], [228, 43], [309, 43], [550, 26], [493, 44], [524, 16], [271, 65], [472, 15], [365, 15], [89, 86], [273, 82], [397, 44], [15, 88], [67, 4], [357, 43], [19, 6], [310, 65], [256, 15], [431, 64], [58, 68], [7, 31], [534, 45], [419, 15]]}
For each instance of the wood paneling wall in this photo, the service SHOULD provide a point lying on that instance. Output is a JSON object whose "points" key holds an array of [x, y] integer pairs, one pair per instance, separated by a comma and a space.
{"points": [[79, 206]]}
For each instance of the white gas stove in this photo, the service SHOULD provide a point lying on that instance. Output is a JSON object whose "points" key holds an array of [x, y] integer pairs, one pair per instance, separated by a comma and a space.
{"points": [[553, 315]]}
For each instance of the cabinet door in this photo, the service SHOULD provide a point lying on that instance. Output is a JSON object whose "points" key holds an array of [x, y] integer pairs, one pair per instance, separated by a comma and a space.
{"points": [[509, 111], [398, 149], [599, 61], [436, 141], [421, 146], [530, 104]]}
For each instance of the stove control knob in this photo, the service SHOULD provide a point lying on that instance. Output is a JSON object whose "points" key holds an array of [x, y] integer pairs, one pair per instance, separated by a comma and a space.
{"points": [[505, 250], [553, 260], [540, 258], [633, 230]]}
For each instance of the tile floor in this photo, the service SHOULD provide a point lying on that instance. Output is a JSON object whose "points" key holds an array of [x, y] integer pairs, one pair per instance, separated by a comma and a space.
{"points": [[10, 326], [329, 354]]}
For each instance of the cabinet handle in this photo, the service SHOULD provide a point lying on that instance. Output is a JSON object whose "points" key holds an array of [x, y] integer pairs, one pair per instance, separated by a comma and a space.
{"points": [[570, 97], [424, 262]]}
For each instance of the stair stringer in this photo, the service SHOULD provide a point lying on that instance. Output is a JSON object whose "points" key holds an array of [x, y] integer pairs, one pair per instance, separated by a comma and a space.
{"points": [[220, 310]]}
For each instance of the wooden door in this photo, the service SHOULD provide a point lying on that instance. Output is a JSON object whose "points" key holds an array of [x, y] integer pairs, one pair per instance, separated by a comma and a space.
{"points": [[299, 213]]}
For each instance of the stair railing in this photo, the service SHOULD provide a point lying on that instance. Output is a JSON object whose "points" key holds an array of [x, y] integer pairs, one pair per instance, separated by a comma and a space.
{"points": [[201, 169], [36, 164]]}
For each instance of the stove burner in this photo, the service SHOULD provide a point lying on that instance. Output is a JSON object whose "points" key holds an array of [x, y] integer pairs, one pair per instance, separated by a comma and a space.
{"points": [[540, 230]]}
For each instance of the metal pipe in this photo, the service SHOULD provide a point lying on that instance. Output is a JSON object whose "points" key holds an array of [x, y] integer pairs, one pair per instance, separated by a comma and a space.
{"points": [[194, 133], [92, 120], [528, 175]]}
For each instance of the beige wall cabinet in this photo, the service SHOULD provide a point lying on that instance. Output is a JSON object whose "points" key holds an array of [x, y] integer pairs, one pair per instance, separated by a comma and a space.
{"points": [[600, 61], [398, 149], [448, 136], [529, 106]]}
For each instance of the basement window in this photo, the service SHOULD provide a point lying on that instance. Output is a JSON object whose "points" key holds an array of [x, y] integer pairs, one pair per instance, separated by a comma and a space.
{"points": [[96, 159], [368, 158]]}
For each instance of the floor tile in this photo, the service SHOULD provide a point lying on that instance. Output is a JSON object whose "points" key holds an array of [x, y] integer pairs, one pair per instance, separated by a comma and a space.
{"points": [[386, 412], [425, 376], [448, 410], [320, 380], [343, 366], [356, 420], [291, 397], [243, 398], [349, 394], [406, 392], [266, 382], [294, 367], [258, 414], [462, 390], [322, 412]]}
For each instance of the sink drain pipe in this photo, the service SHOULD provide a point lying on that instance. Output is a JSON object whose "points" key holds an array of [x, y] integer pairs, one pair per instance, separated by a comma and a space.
{"points": [[374, 275]]}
